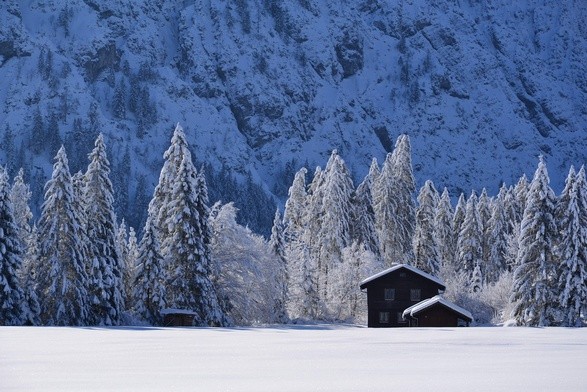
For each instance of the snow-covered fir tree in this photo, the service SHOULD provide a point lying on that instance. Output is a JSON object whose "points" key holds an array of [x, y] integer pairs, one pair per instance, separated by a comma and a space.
{"points": [[385, 208], [521, 195], [459, 218], [62, 276], [295, 207], [277, 245], [130, 262], [497, 237], [20, 195], [484, 208], [443, 231], [295, 218], [12, 304], [105, 275], [426, 255], [469, 243], [535, 299], [148, 287], [404, 188], [159, 204], [334, 233], [363, 228], [571, 216], [186, 241]]}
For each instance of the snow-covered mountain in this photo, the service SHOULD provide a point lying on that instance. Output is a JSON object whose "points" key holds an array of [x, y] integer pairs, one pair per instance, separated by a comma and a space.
{"points": [[264, 86]]}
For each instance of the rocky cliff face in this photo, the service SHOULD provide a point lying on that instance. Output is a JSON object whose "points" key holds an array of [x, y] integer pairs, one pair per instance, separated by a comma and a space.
{"points": [[481, 87]]}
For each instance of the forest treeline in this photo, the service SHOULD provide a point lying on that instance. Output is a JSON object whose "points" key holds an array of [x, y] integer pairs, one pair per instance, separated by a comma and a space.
{"points": [[518, 257]]}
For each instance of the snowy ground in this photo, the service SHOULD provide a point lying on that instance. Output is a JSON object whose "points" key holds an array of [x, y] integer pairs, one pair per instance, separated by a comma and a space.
{"points": [[311, 358]]}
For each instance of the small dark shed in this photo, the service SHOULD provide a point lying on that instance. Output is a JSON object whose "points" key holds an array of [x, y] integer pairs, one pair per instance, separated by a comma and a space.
{"points": [[392, 291], [178, 317], [437, 312]]}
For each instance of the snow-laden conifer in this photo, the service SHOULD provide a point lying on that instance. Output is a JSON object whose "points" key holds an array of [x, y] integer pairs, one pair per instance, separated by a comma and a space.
{"points": [[295, 207], [173, 156], [148, 286], [521, 195], [12, 304], [499, 229], [534, 278], [469, 241], [277, 245], [443, 231], [186, 248], [105, 274], [364, 227], [385, 208], [20, 195], [302, 287], [426, 255], [571, 215], [62, 276], [335, 209], [404, 190], [459, 216], [130, 262]]}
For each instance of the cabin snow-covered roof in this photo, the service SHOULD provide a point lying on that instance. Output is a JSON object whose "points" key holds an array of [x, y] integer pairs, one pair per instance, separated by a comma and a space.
{"points": [[420, 306], [408, 267]]}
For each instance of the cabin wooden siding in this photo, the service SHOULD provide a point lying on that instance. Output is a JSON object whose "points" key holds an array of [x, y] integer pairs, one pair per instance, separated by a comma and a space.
{"points": [[178, 320], [402, 281], [438, 315]]}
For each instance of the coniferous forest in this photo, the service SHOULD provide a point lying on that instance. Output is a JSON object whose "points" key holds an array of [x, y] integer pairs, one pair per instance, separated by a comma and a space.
{"points": [[519, 257]]}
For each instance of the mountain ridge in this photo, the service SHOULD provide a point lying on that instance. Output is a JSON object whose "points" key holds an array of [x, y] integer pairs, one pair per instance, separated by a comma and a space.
{"points": [[481, 87]]}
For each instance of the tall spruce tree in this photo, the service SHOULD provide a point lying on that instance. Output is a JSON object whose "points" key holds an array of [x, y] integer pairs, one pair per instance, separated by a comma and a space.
{"points": [[443, 231], [12, 309], [20, 195], [426, 255], [148, 287], [534, 278], [334, 233], [499, 229], [571, 216], [180, 204], [469, 244], [105, 284], [63, 279], [404, 192], [277, 244], [363, 228], [385, 208]]}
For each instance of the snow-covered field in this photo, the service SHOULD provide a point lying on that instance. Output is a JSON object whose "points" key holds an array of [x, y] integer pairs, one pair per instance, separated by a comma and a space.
{"points": [[297, 358]]}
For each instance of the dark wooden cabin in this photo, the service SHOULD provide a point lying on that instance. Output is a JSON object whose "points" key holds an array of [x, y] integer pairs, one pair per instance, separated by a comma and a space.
{"points": [[437, 312], [392, 291], [178, 318]]}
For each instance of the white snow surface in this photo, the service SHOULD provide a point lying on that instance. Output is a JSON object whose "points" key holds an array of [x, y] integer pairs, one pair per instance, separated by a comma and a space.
{"points": [[292, 358]]}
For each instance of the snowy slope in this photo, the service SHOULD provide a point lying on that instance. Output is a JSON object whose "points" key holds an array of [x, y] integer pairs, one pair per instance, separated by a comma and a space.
{"points": [[482, 88], [295, 358]]}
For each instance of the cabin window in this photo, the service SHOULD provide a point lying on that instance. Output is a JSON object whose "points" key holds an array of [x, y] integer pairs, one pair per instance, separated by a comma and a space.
{"points": [[415, 295], [400, 319], [402, 274], [383, 317], [389, 294]]}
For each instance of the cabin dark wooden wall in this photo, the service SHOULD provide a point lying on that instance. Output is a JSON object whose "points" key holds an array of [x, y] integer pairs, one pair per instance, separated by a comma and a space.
{"points": [[178, 320], [402, 280], [437, 316]]}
